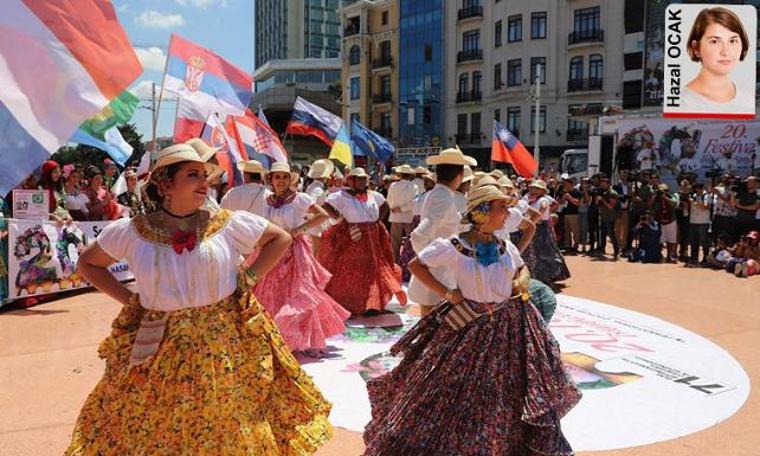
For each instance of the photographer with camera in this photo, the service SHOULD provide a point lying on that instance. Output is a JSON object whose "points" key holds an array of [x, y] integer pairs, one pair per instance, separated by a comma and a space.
{"points": [[571, 196], [648, 232], [642, 198], [682, 220], [664, 207], [609, 206], [624, 190], [594, 234], [699, 224], [583, 204]]}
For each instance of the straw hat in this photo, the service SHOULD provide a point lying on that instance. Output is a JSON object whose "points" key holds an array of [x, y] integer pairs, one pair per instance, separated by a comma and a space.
{"points": [[539, 184], [321, 169], [202, 149], [421, 170], [357, 172], [431, 177], [283, 167], [179, 153], [504, 181], [468, 174], [486, 180], [451, 157], [405, 169], [251, 167], [497, 174], [484, 194]]}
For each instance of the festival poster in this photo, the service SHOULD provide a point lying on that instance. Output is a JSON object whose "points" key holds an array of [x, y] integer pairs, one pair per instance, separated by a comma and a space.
{"points": [[710, 61], [42, 256], [31, 204], [676, 147]]}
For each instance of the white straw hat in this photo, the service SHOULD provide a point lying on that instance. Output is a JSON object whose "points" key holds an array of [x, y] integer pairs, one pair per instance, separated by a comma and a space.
{"points": [[451, 157], [321, 169]]}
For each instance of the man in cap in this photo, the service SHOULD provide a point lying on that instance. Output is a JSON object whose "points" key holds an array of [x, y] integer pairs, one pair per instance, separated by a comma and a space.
{"points": [[401, 195], [439, 217], [252, 195]]}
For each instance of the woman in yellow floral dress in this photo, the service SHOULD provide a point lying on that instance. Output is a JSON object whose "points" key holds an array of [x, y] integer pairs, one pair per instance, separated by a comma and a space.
{"points": [[194, 366]]}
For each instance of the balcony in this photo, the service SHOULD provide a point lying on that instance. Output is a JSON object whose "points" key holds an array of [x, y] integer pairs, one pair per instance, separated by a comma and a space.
{"points": [[468, 138], [582, 85], [470, 56], [382, 63], [586, 36], [468, 96], [577, 134], [470, 11], [382, 98]]}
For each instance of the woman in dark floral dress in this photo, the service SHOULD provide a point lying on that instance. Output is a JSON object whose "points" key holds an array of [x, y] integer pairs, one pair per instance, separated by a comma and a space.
{"points": [[495, 385]]}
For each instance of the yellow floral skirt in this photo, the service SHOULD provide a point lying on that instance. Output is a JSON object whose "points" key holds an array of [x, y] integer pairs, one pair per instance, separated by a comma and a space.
{"points": [[222, 383]]}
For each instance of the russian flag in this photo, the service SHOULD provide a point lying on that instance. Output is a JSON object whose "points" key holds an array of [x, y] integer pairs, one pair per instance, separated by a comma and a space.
{"points": [[506, 148], [205, 83], [310, 119], [258, 140], [228, 154], [61, 62]]}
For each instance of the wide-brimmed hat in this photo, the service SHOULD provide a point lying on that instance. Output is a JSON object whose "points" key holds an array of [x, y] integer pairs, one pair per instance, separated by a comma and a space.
{"points": [[405, 169], [421, 170], [539, 184], [202, 149], [497, 174], [486, 180], [430, 176], [251, 167], [321, 169], [179, 153], [357, 172], [483, 194], [451, 157], [504, 181], [467, 174], [283, 167]]}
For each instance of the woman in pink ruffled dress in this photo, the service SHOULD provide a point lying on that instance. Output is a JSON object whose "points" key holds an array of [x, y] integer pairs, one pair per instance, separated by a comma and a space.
{"points": [[294, 292]]}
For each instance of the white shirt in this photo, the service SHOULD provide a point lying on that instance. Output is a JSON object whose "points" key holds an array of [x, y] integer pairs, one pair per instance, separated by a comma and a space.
{"points": [[203, 276], [511, 224], [461, 202], [698, 214], [77, 202], [420, 183], [418, 202], [523, 206], [728, 165], [291, 215], [401, 194], [537, 205], [646, 158], [693, 102], [675, 148], [477, 283], [687, 165], [317, 190], [355, 211], [248, 197], [439, 217]]}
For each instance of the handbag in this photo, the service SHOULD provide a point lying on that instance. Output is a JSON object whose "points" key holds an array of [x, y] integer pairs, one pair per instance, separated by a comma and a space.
{"points": [[459, 315]]}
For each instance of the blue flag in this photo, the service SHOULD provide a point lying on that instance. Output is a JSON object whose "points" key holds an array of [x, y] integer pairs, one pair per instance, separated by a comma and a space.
{"points": [[114, 145], [367, 142]]}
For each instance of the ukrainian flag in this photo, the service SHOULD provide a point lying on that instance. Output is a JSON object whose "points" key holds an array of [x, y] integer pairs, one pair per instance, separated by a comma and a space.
{"points": [[341, 149]]}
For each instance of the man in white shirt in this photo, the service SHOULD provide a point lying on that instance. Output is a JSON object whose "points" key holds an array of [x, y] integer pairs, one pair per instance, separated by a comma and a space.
{"points": [[646, 158], [401, 195], [253, 194], [420, 172], [699, 223], [439, 217]]}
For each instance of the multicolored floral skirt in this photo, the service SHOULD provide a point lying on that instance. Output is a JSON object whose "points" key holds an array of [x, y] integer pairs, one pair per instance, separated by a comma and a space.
{"points": [[294, 295], [221, 383], [364, 275], [543, 257], [407, 252], [495, 387]]}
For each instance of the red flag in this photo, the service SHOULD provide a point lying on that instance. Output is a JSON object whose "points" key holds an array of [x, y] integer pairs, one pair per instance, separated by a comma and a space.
{"points": [[228, 154], [506, 148]]}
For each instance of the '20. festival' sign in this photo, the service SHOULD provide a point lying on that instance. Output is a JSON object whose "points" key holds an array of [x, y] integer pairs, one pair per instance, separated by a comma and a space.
{"points": [[42, 257]]}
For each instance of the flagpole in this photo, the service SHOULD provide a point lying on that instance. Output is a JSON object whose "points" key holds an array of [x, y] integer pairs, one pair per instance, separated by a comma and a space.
{"points": [[154, 112], [161, 94], [536, 148]]}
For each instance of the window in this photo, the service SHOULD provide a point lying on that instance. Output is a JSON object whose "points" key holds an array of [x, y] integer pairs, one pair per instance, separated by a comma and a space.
{"points": [[476, 78], [385, 17], [354, 88], [463, 83], [576, 68], [471, 41], [385, 124], [538, 25], [513, 119], [587, 20], [385, 51], [428, 52], [576, 129], [595, 67], [427, 115], [497, 34], [514, 72], [541, 119], [497, 82], [470, 4], [461, 124], [385, 86], [514, 28], [497, 115], [475, 126], [536, 64], [354, 55], [633, 60]]}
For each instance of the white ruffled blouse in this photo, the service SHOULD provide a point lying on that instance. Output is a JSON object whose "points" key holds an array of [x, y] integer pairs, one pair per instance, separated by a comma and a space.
{"points": [[168, 281], [291, 215], [355, 211]]}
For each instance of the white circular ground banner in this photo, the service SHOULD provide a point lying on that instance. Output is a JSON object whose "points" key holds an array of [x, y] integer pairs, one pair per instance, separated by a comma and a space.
{"points": [[644, 380]]}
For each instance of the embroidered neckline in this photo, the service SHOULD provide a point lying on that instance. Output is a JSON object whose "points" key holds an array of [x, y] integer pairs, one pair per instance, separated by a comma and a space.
{"points": [[470, 252], [156, 235]]}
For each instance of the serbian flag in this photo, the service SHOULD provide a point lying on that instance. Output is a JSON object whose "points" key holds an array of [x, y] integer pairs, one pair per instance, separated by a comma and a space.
{"points": [[61, 62], [215, 135], [258, 140], [205, 83], [310, 119], [506, 148]]}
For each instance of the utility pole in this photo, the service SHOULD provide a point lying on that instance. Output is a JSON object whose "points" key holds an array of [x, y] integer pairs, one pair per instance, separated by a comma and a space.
{"points": [[154, 112], [536, 123]]}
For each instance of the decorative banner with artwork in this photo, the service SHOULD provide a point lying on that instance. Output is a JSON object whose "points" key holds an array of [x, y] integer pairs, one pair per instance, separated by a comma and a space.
{"points": [[674, 147], [709, 61], [644, 380], [31, 204], [42, 257]]}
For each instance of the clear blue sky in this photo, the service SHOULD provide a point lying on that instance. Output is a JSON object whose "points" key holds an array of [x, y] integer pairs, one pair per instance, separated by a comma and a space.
{"points": [[224, 26]]}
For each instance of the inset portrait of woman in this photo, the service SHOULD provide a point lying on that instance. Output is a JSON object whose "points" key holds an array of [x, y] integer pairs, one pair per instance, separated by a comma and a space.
{"points": [[718, 41]]}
